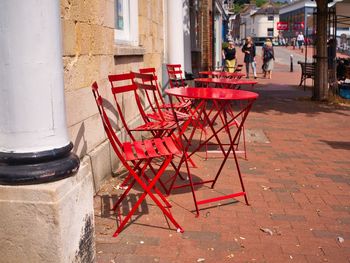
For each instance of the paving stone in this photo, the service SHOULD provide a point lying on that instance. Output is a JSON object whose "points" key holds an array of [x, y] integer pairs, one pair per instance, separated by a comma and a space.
{"points": [[201, 235], [285, 182], [288, 217], [341, 208], [136, 259], [256, 136], [285, 190], [344, 221], [329, 234]]}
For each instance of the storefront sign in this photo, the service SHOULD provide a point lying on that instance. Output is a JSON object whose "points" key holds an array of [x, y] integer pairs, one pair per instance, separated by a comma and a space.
{"points": [[298, 26], [282, 26]]}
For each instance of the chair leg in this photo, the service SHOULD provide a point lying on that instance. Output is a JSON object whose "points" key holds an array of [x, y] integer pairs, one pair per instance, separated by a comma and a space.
{"points": [[147, 190]]}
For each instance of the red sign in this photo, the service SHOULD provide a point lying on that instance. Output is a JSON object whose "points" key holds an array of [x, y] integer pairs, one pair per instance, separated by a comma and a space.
{"points": [[282, 26], [298, 26]]}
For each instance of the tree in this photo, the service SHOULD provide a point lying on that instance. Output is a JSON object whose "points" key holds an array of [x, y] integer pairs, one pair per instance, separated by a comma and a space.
{"points": [[260, 3], [320, 90], [239, 4]]}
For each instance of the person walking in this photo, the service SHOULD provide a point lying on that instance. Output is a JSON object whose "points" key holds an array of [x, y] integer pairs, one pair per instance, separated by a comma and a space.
{"points": [[268, 58], [229, 55], [249, 51], [300, 40]]}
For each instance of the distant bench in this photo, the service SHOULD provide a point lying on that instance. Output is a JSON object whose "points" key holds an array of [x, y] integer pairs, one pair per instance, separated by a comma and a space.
{"points": [[307, 71]]}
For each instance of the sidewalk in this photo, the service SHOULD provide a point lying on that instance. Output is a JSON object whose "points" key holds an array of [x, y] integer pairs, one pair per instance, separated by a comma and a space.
{"points": [[297, 177]]}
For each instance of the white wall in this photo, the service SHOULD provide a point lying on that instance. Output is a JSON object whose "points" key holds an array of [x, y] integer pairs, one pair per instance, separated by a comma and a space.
{"points": [[260, 24]]}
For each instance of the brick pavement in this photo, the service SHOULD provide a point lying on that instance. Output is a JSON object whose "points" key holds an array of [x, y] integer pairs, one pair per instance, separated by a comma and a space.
{"points": [[297, 177]]}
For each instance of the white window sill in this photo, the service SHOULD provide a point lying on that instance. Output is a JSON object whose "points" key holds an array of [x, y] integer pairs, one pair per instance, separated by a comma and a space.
{"points": [[128, 50]]}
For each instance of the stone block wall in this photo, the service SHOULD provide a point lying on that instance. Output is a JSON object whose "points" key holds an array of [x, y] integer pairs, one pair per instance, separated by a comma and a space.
{"points": [[151, 31], [91, 54]]}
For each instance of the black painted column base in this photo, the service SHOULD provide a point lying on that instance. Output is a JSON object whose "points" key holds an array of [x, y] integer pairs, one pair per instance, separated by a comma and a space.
{"points": [[38, 167]]}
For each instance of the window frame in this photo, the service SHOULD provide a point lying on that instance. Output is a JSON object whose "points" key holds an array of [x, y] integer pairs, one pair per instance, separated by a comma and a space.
{"points": [[129, 35], [270, 31]]}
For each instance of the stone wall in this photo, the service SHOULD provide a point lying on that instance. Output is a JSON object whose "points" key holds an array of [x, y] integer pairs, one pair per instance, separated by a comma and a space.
{"points": [[91, 54], [152, 33]]}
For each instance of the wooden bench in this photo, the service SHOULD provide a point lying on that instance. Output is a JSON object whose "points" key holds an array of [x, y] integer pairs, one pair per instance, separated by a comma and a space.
{"points": [[307, 71], [347, 72]]}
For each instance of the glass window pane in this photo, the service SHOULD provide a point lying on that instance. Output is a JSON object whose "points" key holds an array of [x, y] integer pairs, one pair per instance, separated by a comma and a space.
{"points": [[120, 18], [270, 32]]}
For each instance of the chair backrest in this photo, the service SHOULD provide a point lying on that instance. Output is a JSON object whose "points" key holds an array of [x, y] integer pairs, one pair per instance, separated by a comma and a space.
{"points": [[152, 71], [122, 84], [113, 138], [147, 85], [175, 76]]}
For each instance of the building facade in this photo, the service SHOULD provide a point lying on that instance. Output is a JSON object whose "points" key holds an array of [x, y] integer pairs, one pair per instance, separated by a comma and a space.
{"points": [[264, 23], [299, 17]]}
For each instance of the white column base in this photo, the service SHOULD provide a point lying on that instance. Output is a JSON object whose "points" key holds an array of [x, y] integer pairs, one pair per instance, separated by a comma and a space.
{"points": [[51, 222]]}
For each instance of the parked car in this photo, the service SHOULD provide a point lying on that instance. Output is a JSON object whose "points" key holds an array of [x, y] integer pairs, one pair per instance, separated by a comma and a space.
{"points": [[259, 41]]}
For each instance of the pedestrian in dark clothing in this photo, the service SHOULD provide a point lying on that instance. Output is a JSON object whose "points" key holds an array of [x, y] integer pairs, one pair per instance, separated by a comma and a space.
{"points": [[268, 58], [229, 55], [249, 51], [331, 52]]}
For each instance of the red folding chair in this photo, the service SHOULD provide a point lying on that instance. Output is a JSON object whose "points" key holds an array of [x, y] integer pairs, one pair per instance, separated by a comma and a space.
{"points": [[176, 80], [147, 85], [123, 85], [175, 75], [137, 156], [181, 106]]}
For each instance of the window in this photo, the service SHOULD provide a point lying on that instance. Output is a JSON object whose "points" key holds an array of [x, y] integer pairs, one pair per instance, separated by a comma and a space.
{"points": [[270, 32], [270, 18], [126, 22], [194, 24]]}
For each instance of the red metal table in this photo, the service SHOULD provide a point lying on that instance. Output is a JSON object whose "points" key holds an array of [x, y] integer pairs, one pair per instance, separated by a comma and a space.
{"points": [[224, 82], [218, 108], [220, 74]]}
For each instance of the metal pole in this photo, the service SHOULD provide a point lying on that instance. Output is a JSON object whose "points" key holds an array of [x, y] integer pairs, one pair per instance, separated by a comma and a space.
{"points": [[291, 63]]}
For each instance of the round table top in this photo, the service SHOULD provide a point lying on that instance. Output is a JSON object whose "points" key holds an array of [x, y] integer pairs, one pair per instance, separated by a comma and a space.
{"points": [[212, 93], [226, 81], [222, 73]]}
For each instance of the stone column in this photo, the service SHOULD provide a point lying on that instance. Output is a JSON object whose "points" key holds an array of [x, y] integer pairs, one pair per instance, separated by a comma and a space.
{"points": [[46, 212], [33, 134], [175, 34]]}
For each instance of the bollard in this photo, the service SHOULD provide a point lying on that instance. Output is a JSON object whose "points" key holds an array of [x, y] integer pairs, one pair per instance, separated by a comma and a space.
{"points": [[291, 63]]}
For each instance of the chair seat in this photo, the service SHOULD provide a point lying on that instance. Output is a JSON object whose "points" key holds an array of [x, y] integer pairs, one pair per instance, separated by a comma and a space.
{"points": [[156, 126], [177, 105], [168, 116], [152, 148]]}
